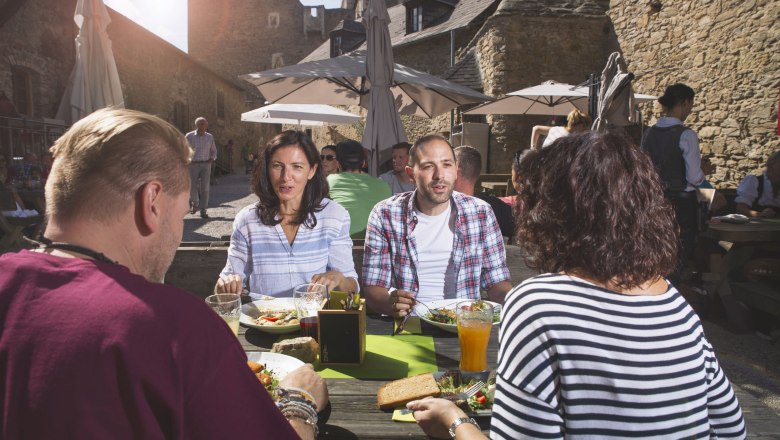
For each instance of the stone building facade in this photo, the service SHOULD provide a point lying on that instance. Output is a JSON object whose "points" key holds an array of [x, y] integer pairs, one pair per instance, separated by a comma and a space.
{"points": [[37, 54], [727, 51]]}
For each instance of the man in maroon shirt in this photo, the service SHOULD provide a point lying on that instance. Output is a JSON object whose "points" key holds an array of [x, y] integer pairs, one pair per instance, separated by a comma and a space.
{"points": [[91, 344]]}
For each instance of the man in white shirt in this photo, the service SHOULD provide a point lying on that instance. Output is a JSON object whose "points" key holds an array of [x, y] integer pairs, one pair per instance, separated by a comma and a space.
{"points": [[432, 243], [397, 179], [759, 196], [204, 153]]}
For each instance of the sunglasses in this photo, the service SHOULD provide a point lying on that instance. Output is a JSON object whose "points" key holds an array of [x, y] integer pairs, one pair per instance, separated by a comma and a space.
{"points": [[327, 157]]}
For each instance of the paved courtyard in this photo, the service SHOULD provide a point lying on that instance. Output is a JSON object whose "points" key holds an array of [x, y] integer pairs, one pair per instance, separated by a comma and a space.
{"points": [[752, 363]]}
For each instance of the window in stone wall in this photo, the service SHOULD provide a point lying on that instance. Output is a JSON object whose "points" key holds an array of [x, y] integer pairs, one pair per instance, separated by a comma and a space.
{"points": [[414, 18], [220, 104], [22, 80], [181, 116], [273, 20]]}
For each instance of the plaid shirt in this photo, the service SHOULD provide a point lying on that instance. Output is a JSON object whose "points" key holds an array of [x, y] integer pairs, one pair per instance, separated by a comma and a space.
{"points": [[203, 146], [390, 255]]}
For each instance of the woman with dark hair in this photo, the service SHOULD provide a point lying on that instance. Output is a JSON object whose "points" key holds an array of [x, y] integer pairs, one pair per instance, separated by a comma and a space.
{"points": [[328, 157], [600, 345], [294, 234], [674, 150]]}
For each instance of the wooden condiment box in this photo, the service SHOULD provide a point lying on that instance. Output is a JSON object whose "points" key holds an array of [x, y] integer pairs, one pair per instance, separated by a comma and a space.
{"points": [[342, 333]]}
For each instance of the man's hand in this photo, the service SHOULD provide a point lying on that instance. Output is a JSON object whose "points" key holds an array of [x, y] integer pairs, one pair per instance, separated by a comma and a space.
{"points": [[229, 284], [401, 303], [305, 378]]}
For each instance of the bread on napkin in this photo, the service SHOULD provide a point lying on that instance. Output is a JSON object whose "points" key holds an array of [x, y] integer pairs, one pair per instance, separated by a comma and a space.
{"points": [[399, 392], [304, 348]]}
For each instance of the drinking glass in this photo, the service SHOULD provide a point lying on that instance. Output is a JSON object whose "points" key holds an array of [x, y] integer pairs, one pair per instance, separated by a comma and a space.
{"points": [[475, 320], [308, 299], [228, 307]]}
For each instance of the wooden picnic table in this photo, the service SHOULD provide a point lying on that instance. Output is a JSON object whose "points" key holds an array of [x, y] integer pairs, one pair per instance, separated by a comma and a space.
{"points": [[353, 411], [741, 242]]}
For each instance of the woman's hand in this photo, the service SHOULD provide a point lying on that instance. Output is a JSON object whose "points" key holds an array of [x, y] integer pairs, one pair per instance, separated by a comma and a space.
{"points": [[435, 415], [229, 284], [332, 279]]}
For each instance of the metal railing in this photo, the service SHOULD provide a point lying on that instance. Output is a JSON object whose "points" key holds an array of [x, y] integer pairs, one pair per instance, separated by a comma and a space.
{"points": [[35, 135]]}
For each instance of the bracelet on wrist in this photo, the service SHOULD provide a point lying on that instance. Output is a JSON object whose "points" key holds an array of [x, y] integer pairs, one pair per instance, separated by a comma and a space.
{"points": [[461, 420], [305, 418]]}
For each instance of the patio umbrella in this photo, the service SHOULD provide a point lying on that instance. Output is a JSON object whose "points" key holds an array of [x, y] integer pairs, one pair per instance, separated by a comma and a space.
{"points": [[94, 81], [383, 123], [300, 114], [548, 98], [342, 81], [616, 99]]}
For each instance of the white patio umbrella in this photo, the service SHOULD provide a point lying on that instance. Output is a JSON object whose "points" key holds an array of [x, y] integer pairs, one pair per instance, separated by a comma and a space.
{"points": [[94, 81], [548, 98], [383, 123], [342, 81], [299, 114]]}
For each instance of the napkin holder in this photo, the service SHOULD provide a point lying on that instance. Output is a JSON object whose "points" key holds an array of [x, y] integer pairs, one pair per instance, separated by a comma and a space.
{"points": [[342, 333]]}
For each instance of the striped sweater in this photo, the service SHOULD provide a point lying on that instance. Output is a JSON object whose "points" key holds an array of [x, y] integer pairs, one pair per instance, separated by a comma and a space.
{"points": [[578, 361]]}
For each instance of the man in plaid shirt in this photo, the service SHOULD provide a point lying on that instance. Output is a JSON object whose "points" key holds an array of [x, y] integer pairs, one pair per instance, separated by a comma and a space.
{"points": [[432, 243]]}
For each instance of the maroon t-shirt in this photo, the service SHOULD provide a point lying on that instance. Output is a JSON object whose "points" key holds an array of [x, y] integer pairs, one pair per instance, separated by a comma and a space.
{"points": [[90, 350]]}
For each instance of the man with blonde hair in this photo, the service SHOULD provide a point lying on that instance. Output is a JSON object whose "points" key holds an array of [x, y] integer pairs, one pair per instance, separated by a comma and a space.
{"points": [[128, 356]]}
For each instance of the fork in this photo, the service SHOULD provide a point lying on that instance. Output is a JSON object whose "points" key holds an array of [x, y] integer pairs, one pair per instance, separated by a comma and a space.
{"points": [[463, 395], [434, 312]]}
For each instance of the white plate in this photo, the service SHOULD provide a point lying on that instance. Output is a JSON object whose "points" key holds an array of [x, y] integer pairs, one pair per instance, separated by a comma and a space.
{"points": [[250, 311], [280, 364], [450, 305]]}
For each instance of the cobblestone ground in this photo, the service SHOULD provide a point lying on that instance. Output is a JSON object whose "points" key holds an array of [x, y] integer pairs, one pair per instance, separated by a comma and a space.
{"points": [[752, 363]]}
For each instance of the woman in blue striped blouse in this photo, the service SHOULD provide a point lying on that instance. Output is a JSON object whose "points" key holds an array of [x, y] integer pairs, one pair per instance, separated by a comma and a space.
{"points": [[294, 234], [600, 345]]}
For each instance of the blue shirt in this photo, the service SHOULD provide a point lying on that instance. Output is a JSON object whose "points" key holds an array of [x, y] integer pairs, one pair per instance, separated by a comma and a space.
{"points": [[262, 255]]}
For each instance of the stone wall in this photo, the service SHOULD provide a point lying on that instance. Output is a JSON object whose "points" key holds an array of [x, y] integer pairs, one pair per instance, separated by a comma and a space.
{"points": [[727, 51], [516, 51], [236, 37]]}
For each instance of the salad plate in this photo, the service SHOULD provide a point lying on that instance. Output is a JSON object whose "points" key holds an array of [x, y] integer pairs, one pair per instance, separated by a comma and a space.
{"points": [[277, 316], [445, 320]]}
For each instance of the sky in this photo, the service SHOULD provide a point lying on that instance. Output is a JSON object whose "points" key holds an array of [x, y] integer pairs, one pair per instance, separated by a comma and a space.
{"points": [[168, 18]]}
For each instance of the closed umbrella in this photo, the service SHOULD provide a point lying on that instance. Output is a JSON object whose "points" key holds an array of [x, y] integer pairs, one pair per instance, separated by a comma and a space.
{"points": [[383, 123], [299, 114], [94, 81], [342, 81], [616, 99]]}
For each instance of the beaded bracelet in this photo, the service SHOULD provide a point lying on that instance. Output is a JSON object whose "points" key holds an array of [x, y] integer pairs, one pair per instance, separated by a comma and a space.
{"points": [[295, 395], [289, 413]]}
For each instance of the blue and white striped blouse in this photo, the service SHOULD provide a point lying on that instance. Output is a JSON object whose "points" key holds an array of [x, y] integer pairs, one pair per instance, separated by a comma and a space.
{"points": [[263, 255], [582, 362]]}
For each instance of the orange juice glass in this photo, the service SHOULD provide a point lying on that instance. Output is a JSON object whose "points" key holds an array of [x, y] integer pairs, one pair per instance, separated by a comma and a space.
{"points": [[475, 320]]}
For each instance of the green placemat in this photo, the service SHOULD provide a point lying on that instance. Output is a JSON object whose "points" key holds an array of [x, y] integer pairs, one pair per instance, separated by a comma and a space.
{"points": [[389, 357]]}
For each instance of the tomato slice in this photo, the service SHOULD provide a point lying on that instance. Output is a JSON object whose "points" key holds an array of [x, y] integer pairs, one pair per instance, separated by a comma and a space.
{"points": [[482, 399], [270, 318]]}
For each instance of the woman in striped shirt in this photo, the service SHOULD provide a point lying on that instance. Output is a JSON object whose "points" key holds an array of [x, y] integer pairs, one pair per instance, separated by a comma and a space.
{"points": [[600, 345]]}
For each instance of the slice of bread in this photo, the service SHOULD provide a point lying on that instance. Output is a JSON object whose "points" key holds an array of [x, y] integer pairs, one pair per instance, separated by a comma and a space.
{"points": [[398, 392], [304, 348]]}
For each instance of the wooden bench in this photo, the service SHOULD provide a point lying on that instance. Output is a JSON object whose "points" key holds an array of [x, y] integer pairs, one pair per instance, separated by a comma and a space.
{"points": [[196, 265]]}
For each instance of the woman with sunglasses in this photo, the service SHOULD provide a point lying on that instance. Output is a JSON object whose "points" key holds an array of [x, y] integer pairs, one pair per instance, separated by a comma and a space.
{"points": [[328, 158], [294, 234]]}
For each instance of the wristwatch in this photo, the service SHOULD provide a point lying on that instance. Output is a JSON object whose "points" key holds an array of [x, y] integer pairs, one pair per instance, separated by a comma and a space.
{"points": [[461, 420]]}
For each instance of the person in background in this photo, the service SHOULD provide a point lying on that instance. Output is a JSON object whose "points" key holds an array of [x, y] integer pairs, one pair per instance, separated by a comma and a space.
{"points": [[245, 156], [517, 160], [674, 150], [23, 170], [132, 357], [469, 166], [46, 165], [600, 345], [759, 196], [294, 234], [432, 243], [204, 154], [397, 178], [353, 189], [576, 122], [328, 159]]}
